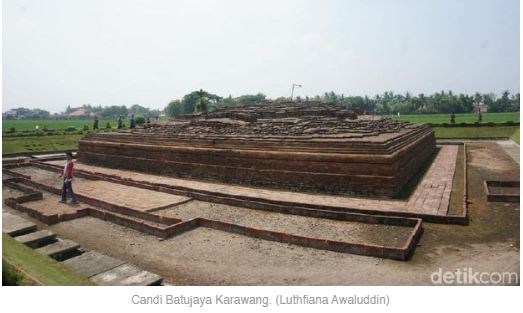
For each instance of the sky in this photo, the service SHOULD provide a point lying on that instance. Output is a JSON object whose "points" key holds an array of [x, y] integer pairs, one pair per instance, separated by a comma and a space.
{"points": [[122, 52]]}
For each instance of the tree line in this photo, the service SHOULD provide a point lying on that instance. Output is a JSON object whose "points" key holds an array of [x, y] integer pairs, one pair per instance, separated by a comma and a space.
{"points": [[387, 103], [115, 111], [107, 112]]}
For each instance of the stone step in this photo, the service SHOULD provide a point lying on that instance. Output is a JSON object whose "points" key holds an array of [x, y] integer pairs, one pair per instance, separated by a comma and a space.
{"points": [[37, 239], [127, 275], [60, 249], [14, 225], [92, 263]]}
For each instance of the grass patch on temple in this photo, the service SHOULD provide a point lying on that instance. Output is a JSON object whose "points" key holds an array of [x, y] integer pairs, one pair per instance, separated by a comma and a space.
{"points": [[37, 267], [476, 132]]}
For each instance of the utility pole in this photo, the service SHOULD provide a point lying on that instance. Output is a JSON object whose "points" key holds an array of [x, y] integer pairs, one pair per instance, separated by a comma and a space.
{"points": [[292, 92]]}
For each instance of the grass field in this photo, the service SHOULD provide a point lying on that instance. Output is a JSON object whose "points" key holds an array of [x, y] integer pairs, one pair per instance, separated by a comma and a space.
{"points": [[515, 136], [460, 118], [54, 124], [40, 143], [37, 267], [476, 132]]}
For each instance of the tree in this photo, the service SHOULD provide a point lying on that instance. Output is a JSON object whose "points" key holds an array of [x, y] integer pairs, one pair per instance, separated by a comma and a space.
{"points": [[114, 111], [515, 103], [250, 99], [202, 103], [174, 108], [139, 110], [188, 104]]}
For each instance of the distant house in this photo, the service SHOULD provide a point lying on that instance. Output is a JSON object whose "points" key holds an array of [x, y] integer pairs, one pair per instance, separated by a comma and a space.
{"points": [[482, 107], [76, 113], [79, 112]]}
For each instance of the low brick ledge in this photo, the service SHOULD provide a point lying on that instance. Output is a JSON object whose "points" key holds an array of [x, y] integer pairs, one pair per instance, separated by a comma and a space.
{"points": [[178, 227]]}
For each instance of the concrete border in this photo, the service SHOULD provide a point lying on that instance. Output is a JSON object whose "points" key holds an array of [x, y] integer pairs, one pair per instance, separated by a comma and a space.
{"points": [[501, 197]]}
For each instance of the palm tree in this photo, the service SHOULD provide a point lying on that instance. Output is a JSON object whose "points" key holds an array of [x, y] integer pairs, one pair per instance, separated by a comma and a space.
{"points": [[201, 106]]}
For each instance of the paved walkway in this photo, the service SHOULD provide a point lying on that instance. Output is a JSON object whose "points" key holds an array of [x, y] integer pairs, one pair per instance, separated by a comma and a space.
{"points": [[432, 195], [137, 198]]}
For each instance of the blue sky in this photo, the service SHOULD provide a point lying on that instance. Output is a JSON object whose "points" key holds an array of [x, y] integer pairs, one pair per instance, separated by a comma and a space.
{"points": [[121, 52]]}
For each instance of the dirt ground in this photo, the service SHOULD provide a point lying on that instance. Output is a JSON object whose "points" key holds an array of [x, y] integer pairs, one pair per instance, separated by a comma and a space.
{"points": [[210, 257], [377, 234], [10, 193]]}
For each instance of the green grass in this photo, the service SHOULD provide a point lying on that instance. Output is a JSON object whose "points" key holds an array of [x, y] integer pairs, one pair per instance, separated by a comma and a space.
{"points": [[39, 267], [476, 132], [39, 144], [54, 124], [515, 136], [460, 118]]}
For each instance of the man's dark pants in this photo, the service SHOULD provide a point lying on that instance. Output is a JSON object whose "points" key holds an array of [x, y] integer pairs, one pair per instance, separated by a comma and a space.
{"points": [[68, 186]]}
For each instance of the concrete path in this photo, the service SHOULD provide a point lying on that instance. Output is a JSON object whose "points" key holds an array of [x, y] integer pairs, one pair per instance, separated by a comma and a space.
{"points": [[15, 226], [99, 268], [59, 249], [92, 263], [127, 275], [37, 239], [511, 148]]}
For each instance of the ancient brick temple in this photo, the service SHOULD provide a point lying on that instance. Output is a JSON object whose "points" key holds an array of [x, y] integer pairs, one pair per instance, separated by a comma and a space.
{"points": [[308, 146]]}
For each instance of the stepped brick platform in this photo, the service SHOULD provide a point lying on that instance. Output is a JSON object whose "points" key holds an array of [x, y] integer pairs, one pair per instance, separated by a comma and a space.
{"points": [[294, 146]]}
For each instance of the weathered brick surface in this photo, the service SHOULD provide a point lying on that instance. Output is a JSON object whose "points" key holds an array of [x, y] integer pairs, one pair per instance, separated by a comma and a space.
{"points": [[308, 149], [429, 201]]}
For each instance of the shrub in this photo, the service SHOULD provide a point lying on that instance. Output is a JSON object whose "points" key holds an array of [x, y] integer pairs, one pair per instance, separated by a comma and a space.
{"points": [[10, 277], [86, 127], [108, 125], [12, 130], [70, 129], [140, 120]]}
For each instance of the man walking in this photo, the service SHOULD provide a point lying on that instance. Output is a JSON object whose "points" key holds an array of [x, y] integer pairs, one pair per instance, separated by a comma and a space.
{"points": [[132, 122], [67, 177]]}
